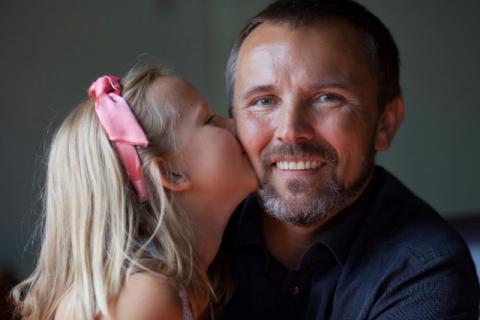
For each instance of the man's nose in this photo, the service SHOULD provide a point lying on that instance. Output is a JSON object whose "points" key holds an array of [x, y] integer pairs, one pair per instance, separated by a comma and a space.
{"points": [[293, 125]]}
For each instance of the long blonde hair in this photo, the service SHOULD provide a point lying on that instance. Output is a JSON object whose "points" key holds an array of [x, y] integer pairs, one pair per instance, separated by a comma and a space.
{"points": [[95, 229]]}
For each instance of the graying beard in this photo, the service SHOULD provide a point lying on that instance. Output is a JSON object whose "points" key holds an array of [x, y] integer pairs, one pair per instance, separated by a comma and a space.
{"points": [[319, 208]]}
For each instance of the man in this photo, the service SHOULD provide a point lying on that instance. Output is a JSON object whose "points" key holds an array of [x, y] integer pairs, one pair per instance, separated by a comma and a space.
{"points": [[314, 91]]}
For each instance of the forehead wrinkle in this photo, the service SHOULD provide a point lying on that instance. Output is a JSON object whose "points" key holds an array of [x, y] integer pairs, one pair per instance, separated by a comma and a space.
{"points": [[272, 58], [272, 47], [328, 82], [267, 55], [284, 67]]}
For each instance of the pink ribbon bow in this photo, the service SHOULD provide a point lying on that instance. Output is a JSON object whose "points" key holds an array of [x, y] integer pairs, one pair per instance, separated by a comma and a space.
{"points": [[121, 126]]}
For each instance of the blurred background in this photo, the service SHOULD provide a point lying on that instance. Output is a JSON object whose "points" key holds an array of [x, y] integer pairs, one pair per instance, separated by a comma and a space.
{"points": [[50, 52]]}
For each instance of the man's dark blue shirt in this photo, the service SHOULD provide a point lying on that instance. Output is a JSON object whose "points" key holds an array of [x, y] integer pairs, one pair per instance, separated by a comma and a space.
{"points": [[388, 256]]}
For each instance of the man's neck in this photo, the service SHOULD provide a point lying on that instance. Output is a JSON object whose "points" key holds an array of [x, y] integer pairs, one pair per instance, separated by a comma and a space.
{"points": [[286, 242]]}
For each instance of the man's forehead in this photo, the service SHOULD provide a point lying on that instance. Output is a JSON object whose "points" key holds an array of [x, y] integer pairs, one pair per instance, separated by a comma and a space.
{"points": [[330, 48], [281, 39], [330, 28]]}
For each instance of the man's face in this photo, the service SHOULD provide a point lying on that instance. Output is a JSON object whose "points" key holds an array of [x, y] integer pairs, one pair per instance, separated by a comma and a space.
{"points": [[305, 107]]}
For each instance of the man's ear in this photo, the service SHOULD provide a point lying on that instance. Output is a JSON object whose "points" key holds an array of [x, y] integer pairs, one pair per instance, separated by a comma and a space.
{"points": [[171, 179], [388, 123]]}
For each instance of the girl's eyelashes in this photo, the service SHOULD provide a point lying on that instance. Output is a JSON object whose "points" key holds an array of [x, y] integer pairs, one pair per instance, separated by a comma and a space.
{"points": [[210, 119]]}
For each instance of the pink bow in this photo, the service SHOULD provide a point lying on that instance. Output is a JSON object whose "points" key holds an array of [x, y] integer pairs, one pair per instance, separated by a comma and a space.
{"points": [[121, 126]]}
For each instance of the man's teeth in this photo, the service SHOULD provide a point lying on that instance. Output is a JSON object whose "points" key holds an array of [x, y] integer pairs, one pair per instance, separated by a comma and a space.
{"points": [[297, 165]]}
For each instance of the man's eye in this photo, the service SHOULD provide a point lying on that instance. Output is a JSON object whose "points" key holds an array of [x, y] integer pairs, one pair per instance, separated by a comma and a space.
{"points": [[329, 100], [263, 101], [328, 97]]}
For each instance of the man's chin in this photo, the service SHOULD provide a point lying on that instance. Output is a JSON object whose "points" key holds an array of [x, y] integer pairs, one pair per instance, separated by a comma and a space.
{"points": [[301, 209], [305, 202]]}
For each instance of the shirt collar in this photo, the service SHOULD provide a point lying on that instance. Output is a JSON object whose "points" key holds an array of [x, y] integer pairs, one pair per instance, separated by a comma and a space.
{"points": [[249, 227], [339, 233], [337, 236]]}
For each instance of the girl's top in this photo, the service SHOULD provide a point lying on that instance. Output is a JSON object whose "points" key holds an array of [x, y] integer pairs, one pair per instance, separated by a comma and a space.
{"points": [[186, 310]]}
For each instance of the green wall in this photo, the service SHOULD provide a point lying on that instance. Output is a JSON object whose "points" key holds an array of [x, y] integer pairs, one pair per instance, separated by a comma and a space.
{"points": [[52, 50], [437, 151]]}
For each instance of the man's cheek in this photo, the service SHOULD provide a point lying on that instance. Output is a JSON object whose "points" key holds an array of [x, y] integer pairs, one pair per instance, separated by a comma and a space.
{"points": [[258, 166], [251, 136]]}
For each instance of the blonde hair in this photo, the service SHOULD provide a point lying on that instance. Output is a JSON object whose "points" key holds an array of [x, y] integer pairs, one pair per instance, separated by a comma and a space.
{"points": [[95, 229]]}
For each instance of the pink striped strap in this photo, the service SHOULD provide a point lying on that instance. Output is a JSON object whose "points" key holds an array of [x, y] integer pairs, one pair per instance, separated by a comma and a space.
{"points": [[121, 126]]}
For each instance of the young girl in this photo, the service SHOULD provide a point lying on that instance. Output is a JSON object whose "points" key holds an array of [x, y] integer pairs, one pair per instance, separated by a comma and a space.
{"points": [[142, 179]]}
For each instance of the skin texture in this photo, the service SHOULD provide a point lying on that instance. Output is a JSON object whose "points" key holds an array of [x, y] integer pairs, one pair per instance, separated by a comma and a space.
{"points": [[143, 296], [309, 94], [147, 297]]}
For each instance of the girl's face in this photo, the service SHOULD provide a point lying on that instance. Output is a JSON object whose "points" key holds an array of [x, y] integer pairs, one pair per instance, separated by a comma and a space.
{"points": [[210, 157]]}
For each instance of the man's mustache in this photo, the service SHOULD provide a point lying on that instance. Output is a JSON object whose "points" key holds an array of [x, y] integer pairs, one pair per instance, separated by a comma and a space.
{"points": [[302, 149]]}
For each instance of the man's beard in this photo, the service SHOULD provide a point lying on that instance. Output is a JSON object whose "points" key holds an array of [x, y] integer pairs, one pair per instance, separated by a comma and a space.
{"points": [[319, 203]]}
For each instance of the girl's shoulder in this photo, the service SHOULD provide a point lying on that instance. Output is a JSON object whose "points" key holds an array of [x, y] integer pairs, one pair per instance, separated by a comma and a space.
{"points": [[147, 296], [63, 310], [144, 296]]}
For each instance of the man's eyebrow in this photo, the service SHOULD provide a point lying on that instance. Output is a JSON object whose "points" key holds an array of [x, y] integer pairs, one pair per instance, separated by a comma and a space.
{"points": [[256, 89], [328, 83]]}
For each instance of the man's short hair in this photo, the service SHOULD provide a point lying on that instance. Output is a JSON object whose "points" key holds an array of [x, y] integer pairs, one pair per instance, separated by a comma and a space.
{"points": [[381, 49]]}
